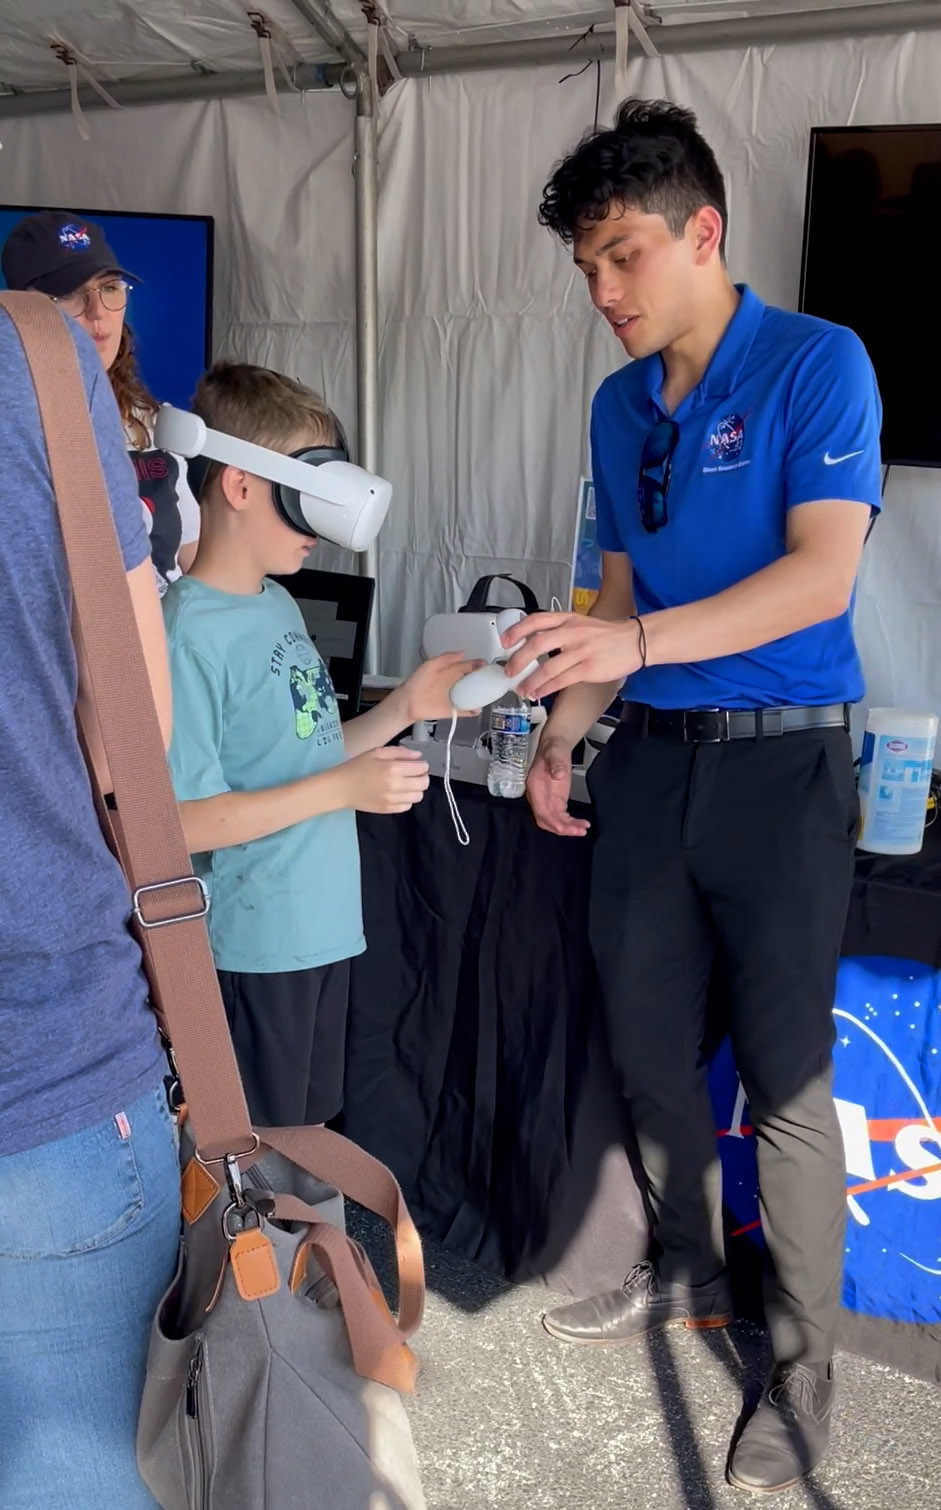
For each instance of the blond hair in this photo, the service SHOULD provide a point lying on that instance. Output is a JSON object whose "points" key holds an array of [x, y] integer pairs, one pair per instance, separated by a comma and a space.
{"points": [[259, 405]]}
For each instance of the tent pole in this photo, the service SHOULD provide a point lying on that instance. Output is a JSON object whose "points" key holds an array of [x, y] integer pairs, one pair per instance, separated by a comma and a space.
{"points": [[173, 90], [869, 19], [367, 325], [866, 19], [320, 16]]}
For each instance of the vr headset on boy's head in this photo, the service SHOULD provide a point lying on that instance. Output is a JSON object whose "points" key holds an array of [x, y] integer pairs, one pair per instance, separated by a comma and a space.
{"points": [[317, 491]]}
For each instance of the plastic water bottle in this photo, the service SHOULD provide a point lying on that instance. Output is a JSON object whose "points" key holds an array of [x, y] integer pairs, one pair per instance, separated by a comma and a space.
{"points": [[895, 780], [510, 725]]}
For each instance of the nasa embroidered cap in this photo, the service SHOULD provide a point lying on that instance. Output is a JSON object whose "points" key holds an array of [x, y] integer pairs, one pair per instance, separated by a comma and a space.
{"points": [[56, 252]]}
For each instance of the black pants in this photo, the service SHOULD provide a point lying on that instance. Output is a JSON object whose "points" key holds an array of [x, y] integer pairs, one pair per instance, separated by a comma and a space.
{"points": [[736, 858], [289, 1035]]}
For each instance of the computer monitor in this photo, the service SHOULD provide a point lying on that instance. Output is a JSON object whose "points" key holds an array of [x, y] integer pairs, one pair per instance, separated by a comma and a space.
{"points": [[336, 610]]}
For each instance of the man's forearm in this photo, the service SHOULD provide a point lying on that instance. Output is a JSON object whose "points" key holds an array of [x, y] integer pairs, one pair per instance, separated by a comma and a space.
{"points": [[577, 708], [789, 595], [241, 817]]}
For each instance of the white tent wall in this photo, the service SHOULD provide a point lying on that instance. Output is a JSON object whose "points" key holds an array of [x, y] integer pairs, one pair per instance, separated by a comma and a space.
{"points": [[489, 349], [280, 189]]}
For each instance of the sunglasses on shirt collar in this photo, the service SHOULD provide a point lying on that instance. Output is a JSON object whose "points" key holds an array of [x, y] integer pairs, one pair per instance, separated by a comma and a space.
{"points": [[653, 478]]}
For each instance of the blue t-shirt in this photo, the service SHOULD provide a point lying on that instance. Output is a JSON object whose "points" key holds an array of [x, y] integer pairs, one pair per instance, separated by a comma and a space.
{"points": [[787, 413], [254, 707], [78, 1042]]}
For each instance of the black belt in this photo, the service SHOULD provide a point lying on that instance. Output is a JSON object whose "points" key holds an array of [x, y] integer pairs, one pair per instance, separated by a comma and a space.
{"points": [[718, 725]]}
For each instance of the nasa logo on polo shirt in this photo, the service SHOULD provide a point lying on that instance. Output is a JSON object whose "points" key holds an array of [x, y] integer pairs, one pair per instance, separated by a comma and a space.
{"points": [[725, 444]]}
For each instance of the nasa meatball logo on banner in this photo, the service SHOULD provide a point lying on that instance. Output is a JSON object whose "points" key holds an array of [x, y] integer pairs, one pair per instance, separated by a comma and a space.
{"points": [[725, 443], [887, 1089]]}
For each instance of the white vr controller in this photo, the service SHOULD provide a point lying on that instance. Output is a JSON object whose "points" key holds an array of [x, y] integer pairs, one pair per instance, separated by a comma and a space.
{"points": [[336, 500], [478, 635]]}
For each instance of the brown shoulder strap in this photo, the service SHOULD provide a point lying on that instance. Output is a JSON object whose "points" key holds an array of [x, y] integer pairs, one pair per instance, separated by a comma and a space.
{"points": [[141, 821]]}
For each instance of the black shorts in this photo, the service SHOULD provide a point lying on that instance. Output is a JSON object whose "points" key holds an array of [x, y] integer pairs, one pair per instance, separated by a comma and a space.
{"points": [[289, 1033]]}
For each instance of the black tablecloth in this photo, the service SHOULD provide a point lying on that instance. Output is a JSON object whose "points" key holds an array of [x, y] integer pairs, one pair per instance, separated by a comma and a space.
{"points": [[477, 1067], [473, 1033], [896, 904]]}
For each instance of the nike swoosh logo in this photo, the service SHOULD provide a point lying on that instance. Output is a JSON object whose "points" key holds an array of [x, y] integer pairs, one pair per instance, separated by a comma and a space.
{"points": [[834, 461]]}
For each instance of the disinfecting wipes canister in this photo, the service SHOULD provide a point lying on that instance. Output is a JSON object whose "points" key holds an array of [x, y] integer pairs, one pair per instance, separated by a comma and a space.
{"points": [[895, 780]]}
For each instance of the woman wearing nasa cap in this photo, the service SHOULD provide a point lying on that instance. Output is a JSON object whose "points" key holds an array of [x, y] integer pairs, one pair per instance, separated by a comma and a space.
{"points": [[59, 254]]}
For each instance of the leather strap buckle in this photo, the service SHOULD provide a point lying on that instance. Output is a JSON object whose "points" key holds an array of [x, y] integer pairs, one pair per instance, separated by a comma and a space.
{"points": [[180, 917]]}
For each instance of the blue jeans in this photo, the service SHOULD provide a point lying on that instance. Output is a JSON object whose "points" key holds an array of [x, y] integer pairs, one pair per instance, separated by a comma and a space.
{"points": [[89, 1231]]}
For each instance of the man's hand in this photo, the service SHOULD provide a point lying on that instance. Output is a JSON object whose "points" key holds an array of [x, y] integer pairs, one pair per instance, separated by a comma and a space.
{"points": [[548, 787], [389, 780], [425, 695], [590, 650]]}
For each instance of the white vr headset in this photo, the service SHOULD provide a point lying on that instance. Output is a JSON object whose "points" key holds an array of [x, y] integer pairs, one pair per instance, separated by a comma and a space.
{"points": [[317, 491]]}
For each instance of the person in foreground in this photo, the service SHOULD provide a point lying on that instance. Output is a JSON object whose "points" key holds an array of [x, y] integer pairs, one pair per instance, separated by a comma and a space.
{"points": [[89, 1174], [268, 780], [736, 468]]}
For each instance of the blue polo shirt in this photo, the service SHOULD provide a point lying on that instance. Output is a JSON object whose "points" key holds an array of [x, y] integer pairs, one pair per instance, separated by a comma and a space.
{"points": [[787, 412]]}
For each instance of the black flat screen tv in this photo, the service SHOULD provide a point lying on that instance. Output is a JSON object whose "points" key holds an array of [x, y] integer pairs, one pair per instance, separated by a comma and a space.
{"points": [[872, 232]]}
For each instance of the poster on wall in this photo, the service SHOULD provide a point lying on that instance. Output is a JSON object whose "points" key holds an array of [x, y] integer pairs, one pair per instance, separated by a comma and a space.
{"points": [[586, 555]]}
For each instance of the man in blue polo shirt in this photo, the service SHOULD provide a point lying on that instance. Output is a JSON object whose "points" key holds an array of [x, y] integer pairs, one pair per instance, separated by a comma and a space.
{"points": [[736, 468]]}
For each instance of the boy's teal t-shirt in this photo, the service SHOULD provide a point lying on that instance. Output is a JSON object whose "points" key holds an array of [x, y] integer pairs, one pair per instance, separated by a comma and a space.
{"points": [[254, 707]]}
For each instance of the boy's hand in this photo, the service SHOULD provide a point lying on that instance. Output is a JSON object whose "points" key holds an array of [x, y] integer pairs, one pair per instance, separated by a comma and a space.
{"points": [[426, 693], [388, 780]]}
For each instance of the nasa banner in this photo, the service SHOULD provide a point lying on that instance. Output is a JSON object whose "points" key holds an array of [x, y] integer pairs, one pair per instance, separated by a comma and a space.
{"points": [[887, 1089]]}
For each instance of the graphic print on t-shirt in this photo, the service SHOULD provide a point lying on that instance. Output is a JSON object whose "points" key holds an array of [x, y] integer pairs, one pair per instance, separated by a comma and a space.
{"points": [[157, 477], [312, 693]]}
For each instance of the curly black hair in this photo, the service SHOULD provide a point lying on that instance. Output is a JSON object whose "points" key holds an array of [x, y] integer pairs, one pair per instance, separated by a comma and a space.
{"points": [[653, 159]]}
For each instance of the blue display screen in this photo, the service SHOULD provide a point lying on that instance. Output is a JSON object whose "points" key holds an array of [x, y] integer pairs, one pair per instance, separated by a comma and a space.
{"points": [[170, 312]]}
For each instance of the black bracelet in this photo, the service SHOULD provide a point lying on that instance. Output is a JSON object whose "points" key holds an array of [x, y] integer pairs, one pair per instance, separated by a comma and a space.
{"points": [[641, 638]]}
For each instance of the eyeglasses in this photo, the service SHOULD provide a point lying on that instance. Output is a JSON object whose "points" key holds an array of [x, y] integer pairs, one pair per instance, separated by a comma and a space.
{"points": [[656, 458], [113, 296]]}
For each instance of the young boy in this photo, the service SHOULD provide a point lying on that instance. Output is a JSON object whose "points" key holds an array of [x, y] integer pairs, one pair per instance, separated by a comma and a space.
{"points": [[268, 781]]}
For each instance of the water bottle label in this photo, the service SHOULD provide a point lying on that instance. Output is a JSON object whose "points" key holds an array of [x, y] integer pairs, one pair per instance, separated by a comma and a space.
{"points": [[509, 722]]}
